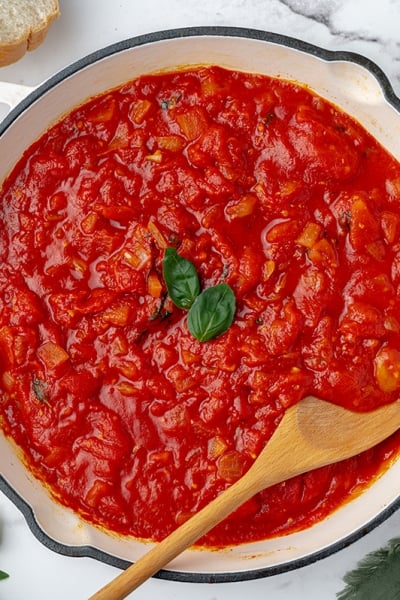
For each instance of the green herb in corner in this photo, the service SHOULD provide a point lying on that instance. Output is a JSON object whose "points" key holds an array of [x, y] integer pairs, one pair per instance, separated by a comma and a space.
{"points": [[376, 577], [211, 311], [3, 575], [181, 278]]}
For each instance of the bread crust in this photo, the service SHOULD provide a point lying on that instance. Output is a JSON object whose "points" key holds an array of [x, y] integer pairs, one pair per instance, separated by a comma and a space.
{"points": [[11, 52]]}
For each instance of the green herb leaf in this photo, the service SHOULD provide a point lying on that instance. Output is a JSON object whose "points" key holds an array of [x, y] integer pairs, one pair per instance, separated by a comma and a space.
{"points": [[40, 389], [376, 577], [181, 278], [3, 575], [211, 314]]}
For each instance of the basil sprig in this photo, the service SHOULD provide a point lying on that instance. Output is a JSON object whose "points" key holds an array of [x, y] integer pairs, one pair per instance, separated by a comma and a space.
{"points": [[3, 575], [377, 575], [211, 311]]}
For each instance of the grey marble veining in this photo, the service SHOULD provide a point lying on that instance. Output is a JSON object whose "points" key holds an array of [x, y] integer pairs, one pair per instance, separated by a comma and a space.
{"points": [[365, 27]]}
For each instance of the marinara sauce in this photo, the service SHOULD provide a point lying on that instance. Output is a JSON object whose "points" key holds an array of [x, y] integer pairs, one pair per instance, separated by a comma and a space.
{"points": [[125, 416]]}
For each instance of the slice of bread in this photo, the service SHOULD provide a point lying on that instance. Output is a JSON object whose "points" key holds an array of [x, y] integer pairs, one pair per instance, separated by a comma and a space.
{"points": [[23, 26]]}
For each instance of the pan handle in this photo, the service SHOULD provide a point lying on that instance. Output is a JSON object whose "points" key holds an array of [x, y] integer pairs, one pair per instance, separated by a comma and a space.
{"points": [[10, 95]]}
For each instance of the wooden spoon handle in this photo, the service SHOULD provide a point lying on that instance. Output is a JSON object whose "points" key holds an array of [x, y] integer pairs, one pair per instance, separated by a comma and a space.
{"points": [[180, 539], [281, 464]]}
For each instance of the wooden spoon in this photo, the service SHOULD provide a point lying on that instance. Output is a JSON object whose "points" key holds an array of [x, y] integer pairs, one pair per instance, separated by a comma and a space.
{"points": [[313, 433]]}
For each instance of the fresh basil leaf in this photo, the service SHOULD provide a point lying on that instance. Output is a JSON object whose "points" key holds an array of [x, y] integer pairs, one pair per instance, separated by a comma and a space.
{"points": [[181, 279], [211, 314], [3, 575], [376, 577]]}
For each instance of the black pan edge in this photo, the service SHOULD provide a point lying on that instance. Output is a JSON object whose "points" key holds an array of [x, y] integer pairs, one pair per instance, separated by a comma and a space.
{"points": [[241, 32]]}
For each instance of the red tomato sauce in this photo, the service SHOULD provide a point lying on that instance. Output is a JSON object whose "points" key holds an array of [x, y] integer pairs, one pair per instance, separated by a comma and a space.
{"points": [[124, 415]]}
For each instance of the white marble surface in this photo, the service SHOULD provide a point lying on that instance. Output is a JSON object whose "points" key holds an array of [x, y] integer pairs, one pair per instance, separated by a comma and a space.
{"points": [[364, 26]]}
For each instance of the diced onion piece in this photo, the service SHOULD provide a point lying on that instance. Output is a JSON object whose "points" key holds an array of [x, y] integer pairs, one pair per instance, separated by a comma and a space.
{"points": [[120, 139], [157, 235], [393, 187], [392, 324], [140, 110], [209, 86], [173, 143], [180, 378], [154, 286], [8, 381], [165, 356], [155, 157], [190, 358], [231, 466], [7, 337], [323, 253], [138, 257], [387, 369], [243, 207], [309, 235], [128, 369], [216, 447], [390, 225], [283, 231], [78, 265], [376, 249], [286, 188], [193, 123], [364, 225], [52, 355], [120, 345], [268, 269], [89, 223], [161, 457], [127, 389], [117, 315], [103, 112]]}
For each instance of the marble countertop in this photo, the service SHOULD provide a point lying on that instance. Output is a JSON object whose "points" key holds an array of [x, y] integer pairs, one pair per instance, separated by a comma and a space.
{"points": [[363, 26]]}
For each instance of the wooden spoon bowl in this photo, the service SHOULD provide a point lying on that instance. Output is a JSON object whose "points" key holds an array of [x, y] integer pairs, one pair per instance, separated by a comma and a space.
{"points": [[312, 434]]}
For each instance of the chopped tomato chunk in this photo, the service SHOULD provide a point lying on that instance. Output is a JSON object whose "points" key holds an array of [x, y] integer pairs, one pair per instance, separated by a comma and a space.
{"points": [[231, 466], [52, 355]]}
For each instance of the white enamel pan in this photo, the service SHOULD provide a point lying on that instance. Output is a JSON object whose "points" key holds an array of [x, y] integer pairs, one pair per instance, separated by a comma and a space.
{"points": [[350, 81]]}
